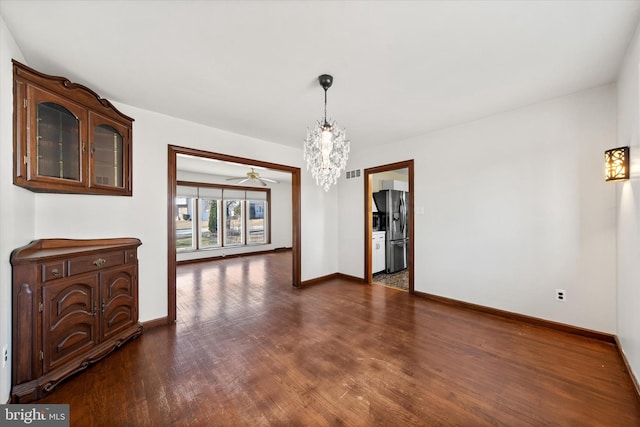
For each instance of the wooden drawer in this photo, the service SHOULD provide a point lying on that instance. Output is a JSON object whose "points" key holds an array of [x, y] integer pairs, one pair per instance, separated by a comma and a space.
{"points": [[95, 262], [130, 256], [53, 270]]}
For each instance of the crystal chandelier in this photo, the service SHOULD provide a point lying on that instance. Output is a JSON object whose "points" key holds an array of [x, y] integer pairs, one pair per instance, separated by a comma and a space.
{"points": [[326, 149]]}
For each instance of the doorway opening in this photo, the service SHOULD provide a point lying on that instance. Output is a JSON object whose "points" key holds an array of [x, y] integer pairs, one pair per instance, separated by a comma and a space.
{"points": [[392, 230], [174, 151]]}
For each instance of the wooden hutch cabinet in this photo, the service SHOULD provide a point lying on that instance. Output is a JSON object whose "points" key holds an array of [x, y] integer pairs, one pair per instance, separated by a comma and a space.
{"points": [[66, 138], [74, 302]]}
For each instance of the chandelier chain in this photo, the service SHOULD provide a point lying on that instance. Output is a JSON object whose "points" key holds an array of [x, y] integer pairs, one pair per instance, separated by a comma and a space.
{"points": [[325, 105]]}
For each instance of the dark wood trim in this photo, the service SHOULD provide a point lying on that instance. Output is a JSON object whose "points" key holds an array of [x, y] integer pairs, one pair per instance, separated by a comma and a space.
{"points": [[171, 235], [601, 336], [332, 276], [368, 231], [223, 186], [634, 380], [296, 221], [320, 279], [296, 241], [368, 172], [350, 278], [269, 223], [219, 257], [161, 321], [235, 159]]}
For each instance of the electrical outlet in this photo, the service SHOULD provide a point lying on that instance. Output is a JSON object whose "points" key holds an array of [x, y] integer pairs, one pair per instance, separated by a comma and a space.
{"points": [[5, 356], [561, 295]]}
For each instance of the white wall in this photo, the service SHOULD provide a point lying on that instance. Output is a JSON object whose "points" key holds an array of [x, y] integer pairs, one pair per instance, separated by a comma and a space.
{"points": [[628, 204], [144, 214], [16, 204], [281, 219], [320, 212], [27, 216], [515, 207]]}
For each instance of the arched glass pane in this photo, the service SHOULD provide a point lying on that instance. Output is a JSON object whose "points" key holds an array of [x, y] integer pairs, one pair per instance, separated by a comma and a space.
{"points": [[58, 142], [108, 156]]}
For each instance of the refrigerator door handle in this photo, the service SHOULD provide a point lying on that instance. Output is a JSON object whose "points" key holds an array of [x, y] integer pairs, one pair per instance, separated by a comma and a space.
{"points": [[403, 214]]}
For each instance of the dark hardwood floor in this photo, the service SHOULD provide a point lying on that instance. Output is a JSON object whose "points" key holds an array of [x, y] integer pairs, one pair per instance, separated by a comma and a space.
{"points": [[249, 350]]}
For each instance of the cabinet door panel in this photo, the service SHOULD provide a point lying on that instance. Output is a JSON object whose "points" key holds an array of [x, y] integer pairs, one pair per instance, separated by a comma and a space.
{"points": [[56, 138], [69, 319], [119, 296], [110, 153]]}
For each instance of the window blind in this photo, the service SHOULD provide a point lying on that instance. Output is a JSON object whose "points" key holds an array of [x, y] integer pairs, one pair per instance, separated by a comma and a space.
{"points": [[218, 193]]}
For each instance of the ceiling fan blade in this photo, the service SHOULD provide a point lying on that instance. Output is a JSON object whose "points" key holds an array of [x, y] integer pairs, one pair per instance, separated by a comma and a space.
{"points": [[271, 180], [237, 177], [264, 184], [244, 180]]}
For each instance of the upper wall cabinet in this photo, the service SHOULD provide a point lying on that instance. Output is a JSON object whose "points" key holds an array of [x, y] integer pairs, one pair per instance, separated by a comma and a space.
{"points": [[66, 138]]}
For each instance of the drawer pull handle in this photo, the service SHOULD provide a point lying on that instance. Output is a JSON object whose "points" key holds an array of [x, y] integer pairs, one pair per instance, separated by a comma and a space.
{"points": [[55, 272], [99, 262]]}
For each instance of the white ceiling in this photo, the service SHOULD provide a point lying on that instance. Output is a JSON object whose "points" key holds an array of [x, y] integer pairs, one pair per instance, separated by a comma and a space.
{"points": [[401, 68]]}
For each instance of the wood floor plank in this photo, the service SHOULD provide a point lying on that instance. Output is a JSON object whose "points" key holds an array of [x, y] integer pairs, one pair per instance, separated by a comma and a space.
{"points": [[250, 350]]}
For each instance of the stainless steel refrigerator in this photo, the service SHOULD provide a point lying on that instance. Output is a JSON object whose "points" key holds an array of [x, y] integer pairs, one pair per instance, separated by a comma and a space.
{"points": [[393, 209]]}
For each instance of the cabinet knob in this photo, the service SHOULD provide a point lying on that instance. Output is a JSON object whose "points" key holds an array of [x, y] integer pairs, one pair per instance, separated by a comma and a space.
{"points": [[99, 262], [55, 272]]}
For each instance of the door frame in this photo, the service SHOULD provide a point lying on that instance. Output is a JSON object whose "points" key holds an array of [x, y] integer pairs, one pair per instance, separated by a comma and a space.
{"points": [[368, 210], [296, 240]]}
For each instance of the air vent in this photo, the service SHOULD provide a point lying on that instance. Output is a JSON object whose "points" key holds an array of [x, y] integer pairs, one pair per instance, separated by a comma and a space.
{"points": [[353, 174]]}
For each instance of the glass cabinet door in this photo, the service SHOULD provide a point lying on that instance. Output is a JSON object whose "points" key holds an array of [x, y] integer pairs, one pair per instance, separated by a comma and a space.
{"points": [[58, 142], [109, 153], [107, 156]]}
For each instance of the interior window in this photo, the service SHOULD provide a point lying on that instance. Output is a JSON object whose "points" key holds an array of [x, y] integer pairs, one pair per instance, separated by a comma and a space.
{"points": [[234, 224], [257, 231], [184, 223], [209, 223], [210, 217]]}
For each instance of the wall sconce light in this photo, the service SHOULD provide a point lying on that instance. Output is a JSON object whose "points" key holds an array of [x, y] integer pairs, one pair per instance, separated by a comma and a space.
{"points": [[616, 164]]}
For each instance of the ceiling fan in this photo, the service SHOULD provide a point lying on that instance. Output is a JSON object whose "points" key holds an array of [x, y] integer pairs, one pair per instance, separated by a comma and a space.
{"points": [[253, 176]]}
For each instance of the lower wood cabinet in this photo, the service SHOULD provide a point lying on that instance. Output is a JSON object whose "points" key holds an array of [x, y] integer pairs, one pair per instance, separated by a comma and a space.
{"points": [[74, 302]]}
